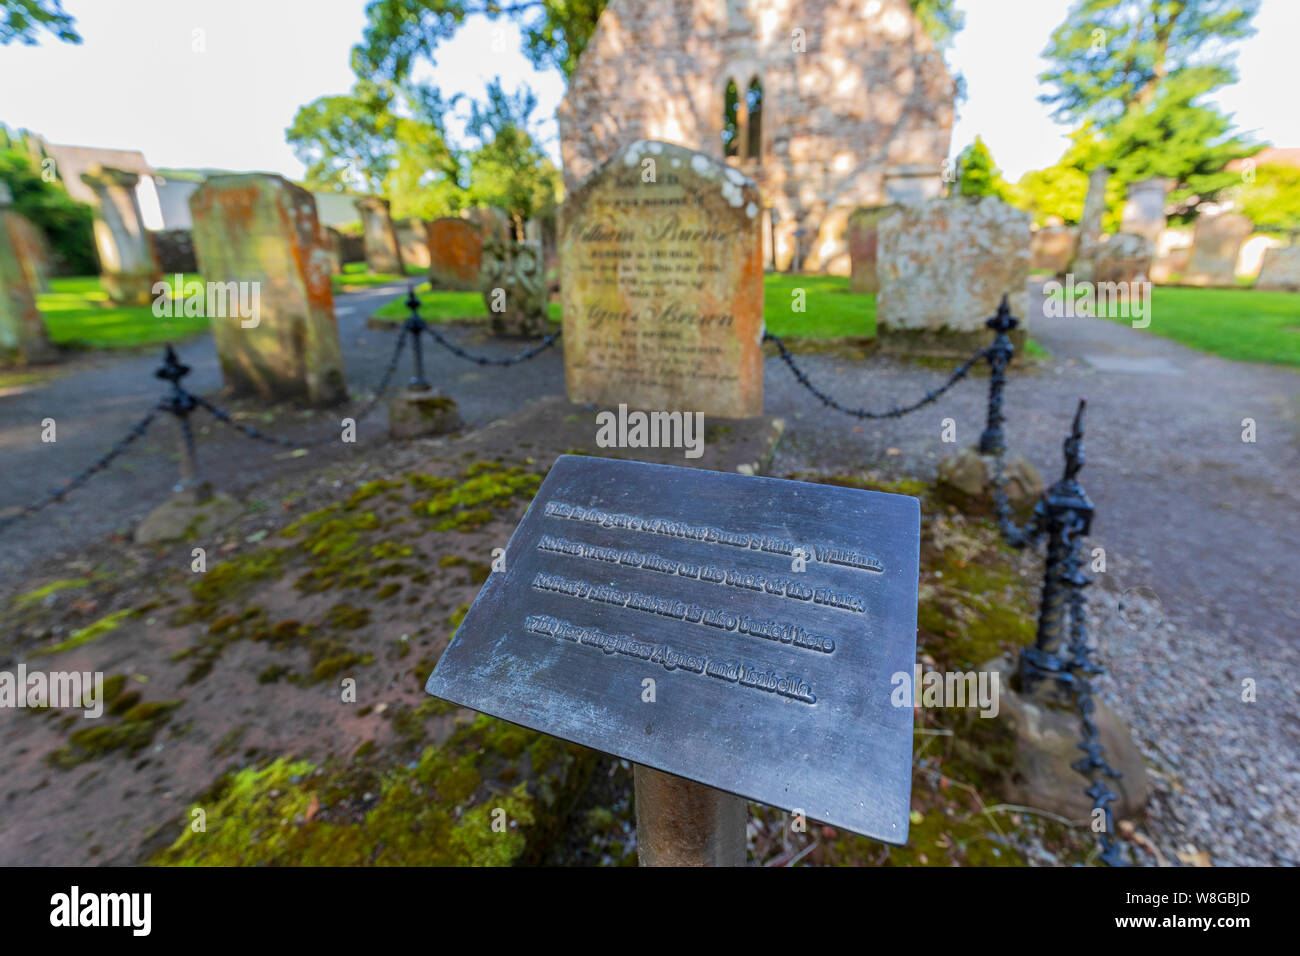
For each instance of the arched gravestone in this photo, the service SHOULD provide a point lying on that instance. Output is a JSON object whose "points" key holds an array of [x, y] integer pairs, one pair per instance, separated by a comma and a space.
{"points": [[661, 276], [258, 241]]}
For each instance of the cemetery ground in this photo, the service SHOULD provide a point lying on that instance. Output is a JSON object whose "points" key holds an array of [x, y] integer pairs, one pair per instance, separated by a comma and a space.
{"points": [[358, 561]]}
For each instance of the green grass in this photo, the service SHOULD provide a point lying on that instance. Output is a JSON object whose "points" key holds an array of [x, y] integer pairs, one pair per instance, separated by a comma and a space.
{"points": [[447, 306], [355, 276], [77, 313], [1245, 324]]}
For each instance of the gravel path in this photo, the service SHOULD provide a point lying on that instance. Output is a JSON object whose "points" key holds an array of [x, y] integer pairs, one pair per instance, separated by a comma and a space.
{"points": [[1200, 529]]}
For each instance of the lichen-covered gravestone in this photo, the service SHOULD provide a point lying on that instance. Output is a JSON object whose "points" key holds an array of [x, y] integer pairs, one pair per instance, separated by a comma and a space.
{"points": [[129, 269], [944, 265], [661, 276], [455, 253], [22, 330], [1215, 247], [383, 253], [258, 235], [514, 287]]}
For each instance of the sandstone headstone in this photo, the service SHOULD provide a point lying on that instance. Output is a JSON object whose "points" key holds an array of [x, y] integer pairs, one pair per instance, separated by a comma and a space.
{"points": [[413, 241], [661, 279], [383, 254], [1089, 234], [22, 330], [259, 228], [334, 246], [128, 269], [863, 246], [1280, 270], [455, 253], [1123, 257], [1144, 212], [514, 287], [1215, 246], [1052, 248], [943, 267], [33, 252]]}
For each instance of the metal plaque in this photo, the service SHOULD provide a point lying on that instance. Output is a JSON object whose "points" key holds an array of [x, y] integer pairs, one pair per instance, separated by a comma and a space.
{"points": [[739, 631]]}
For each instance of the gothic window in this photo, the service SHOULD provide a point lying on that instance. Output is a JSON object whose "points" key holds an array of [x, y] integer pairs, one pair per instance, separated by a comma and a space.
{"points": [[731, 120], [754, 112]]}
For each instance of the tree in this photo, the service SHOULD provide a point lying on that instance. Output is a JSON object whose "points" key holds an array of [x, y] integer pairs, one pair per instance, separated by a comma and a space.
{"points": [[67, 224], [1111, 57], [508, 169], [1271, 198], [977, 175], [23, 19], [399, 32], [346, 141]]}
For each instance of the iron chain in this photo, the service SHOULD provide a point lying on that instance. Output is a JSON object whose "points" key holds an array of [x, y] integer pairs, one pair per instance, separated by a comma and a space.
{"points": [[455, 349]]}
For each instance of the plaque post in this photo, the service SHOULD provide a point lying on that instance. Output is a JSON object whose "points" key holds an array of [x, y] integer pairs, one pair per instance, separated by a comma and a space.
{"points": [[683, 823]]}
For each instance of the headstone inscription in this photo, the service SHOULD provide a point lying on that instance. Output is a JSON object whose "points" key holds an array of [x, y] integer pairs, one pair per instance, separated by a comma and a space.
{"points": [[737, 631], [661, 277]]}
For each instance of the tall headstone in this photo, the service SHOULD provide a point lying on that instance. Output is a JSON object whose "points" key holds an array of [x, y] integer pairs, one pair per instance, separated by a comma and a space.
{"points": [[383, 254], [1094, 209], [334, 246], [1052, 248], [662, 284], [128, 269], [455, 253], [22, 330], [863, 244], [514, 287], [33, 252], [943, 267], [261, 230], [1215, 246], [1280, 270], [1144, 212]]}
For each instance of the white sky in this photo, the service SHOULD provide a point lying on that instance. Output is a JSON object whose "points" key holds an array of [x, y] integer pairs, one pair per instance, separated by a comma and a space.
{"points": [[138, 83]]}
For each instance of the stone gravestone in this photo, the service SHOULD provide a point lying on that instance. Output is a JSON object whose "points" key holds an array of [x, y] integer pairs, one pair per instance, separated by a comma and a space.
{"points": [[1215, 246], [944, 266], [736, 632], [863, 238], [1144, 212], [22, 330], [33, 251], [1280, 270], [128, 269], [413, 241], [334, 246], [383, 254], [1123, 257], [1089, 234], [259, 236], [514, 287], [455, 253], [1052, 248], [661, 279]]}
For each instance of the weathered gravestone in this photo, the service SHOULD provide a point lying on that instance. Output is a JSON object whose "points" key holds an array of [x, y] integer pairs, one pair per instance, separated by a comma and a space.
{"points": [[22, 330], [661, 278], [863, 240], [1280, 270], [128, 269], [33, 251], [1144, 212], [1089, 233], [455, 253], [1051, 248], [944, 267], [383, 254], [258, 235], [334, 246], [514, 287], [1215, 246], [1123, 257], [736, 632], [413, 242]]}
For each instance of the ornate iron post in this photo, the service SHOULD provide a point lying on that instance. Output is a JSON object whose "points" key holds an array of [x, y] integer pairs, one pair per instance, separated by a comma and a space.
{"points": [[415, 326], [999, 354], [1065, 514], [181, 403]]}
